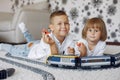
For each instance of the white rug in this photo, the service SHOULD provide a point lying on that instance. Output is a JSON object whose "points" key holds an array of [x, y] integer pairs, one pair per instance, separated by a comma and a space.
{"points": [[33, 70]]}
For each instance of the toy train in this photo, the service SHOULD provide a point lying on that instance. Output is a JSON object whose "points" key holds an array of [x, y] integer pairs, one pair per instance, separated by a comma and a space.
{"points": [[85, 62], [62, 60]]}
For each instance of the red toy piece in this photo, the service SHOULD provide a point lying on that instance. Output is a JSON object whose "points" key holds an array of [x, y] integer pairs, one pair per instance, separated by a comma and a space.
{"points": [[78, 44], [45, 31]]}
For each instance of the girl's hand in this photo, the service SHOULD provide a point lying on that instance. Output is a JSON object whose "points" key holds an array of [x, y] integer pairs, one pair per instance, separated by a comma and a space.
{"points": [[82, 49]]}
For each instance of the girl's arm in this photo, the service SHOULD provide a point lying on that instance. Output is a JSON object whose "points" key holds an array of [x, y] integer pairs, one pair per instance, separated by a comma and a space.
{"points": [[82, 49]]}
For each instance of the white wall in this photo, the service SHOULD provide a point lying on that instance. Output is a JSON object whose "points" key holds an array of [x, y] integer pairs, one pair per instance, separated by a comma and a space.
{"points": [[37, 1], [81, 10]]}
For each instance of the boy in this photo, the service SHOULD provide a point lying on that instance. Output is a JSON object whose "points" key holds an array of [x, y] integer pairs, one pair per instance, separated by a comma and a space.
{"points": [[59, 41]]}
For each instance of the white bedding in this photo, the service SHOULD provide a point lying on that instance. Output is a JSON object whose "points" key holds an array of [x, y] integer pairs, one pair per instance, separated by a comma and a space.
{"points": [[26, 70]]}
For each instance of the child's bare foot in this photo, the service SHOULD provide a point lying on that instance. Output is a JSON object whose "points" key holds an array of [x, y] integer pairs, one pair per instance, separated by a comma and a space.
{"points": [[30, 44]]}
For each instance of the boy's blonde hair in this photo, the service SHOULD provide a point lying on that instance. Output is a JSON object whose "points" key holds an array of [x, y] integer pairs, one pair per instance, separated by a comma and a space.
{"points": [[56, 13], [95, 23]]}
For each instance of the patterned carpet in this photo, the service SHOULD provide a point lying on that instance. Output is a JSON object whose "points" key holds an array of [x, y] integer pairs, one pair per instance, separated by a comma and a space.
{"points": [[27, 69]]}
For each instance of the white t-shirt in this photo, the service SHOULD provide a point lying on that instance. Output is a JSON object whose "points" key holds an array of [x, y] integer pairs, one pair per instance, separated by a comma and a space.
{"points": [[42, 50], [97, 51]]}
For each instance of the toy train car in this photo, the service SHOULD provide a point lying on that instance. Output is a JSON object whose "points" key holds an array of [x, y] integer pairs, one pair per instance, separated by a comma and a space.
{"points": [[85, 62], [115, 60], [62, 60], [95, 62]]}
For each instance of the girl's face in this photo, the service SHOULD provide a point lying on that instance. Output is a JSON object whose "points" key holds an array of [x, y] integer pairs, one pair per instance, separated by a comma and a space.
{"points": [[93, 34], [60, 26]]}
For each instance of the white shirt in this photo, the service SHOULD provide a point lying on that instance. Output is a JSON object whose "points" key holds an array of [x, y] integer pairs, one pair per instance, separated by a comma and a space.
{"points": [[42, 50], [98, 50]]}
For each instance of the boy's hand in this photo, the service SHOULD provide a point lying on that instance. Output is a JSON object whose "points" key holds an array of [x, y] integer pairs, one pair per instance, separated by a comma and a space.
{"points": [[71, 51], [46, 38], [82, 49]]}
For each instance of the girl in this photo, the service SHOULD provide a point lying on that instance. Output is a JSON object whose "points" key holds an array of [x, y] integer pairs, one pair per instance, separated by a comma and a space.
{"points": [[95, 34]]}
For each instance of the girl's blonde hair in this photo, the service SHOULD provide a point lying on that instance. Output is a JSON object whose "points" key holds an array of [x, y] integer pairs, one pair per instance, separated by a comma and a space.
{"points": [[95, 23]]}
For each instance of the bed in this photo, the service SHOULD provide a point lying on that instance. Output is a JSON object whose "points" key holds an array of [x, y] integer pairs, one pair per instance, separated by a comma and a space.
{"points": [[36, 70]]}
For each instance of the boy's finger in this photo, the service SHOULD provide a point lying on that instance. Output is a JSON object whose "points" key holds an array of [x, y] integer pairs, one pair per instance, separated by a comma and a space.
{"points": [[68, 47], [43, 34], [43, 30], [48, 38]]}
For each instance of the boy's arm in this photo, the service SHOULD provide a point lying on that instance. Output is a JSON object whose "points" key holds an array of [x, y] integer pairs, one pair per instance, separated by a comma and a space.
{"points": [[39, 50], [54, 49]]}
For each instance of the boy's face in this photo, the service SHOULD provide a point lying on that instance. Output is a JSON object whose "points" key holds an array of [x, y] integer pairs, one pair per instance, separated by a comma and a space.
{"points": [[60, 26]]}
